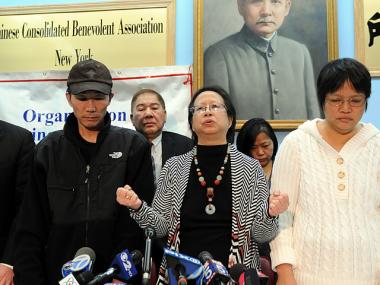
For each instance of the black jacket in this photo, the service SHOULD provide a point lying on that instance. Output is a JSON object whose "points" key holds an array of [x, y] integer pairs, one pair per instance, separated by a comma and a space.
{"points": [[174, 144], [73, 204], [16, 151]]}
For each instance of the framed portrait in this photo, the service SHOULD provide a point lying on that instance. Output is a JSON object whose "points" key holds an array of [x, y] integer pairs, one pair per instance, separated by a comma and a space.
{"points": [[367, 34], [273, 79]]}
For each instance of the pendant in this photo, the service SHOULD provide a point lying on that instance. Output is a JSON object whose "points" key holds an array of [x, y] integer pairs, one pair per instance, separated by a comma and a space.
{"points": [[210, 209]]}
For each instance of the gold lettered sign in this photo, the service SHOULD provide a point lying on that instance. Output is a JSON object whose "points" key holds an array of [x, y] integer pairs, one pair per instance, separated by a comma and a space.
{"points": [[120, 34]]}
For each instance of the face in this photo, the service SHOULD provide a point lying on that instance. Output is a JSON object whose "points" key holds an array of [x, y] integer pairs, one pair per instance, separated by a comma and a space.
{"points": [[210, 121], [89, 108], [148, 115], [344, 118], [262, 149], [264, 17]]}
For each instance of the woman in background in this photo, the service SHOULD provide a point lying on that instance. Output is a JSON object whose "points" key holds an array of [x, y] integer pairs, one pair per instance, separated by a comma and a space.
{"points": [[257, 139], [330, 168]]}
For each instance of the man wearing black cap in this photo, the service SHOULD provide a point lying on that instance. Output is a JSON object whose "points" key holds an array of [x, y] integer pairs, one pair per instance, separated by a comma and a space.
{"points": [[76, 171]]}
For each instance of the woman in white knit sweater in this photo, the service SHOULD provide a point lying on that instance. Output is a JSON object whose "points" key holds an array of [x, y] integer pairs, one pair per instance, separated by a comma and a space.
{"points": [[330, 168]]}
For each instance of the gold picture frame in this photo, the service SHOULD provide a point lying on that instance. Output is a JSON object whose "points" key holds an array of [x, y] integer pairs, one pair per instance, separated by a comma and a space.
{"points": [[331, 47], [122, 34], [367, 28]]}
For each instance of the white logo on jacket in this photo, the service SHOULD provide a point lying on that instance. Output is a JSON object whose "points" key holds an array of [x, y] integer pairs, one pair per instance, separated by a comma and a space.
{"points": [[116, 154]]}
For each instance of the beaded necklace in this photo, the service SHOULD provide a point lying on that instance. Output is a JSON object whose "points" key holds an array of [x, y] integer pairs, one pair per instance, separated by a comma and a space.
{"points": [[210, 207]]}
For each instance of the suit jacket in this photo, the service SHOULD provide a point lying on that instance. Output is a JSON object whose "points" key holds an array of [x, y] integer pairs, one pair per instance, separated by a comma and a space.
{"points": [[16, 146], [269, 80], [174, 144], [250, 220]]}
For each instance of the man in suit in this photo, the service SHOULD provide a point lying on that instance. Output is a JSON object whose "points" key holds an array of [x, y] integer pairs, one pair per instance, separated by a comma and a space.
{"points": [[148, 115], [266, 75], [16, 146]]}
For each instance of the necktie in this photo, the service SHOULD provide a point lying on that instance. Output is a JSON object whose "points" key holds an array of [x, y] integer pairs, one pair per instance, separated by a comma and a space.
{"points": [[153, 165]]}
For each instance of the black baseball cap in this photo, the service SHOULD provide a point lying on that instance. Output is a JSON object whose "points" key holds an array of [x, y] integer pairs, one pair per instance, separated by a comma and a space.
{"points": [[89, 75]]}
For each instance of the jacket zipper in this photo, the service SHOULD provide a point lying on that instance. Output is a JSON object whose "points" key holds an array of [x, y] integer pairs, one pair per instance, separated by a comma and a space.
{"points": [[87, 182]]}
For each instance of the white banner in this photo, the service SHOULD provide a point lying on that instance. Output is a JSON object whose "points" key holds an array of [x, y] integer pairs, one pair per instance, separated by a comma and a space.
{"points": [[37, 101]]}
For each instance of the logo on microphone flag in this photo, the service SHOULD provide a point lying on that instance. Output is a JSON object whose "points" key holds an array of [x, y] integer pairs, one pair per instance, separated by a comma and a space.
{"points": [[69, 280]]}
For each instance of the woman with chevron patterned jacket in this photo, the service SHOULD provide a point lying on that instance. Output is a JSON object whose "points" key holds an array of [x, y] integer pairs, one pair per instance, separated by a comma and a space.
{"points": [[212, 198]]}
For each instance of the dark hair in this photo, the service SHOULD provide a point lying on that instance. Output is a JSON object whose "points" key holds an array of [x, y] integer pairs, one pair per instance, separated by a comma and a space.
{"points": [[249, 132], [335, 73], [231, 113], [147, 90]]}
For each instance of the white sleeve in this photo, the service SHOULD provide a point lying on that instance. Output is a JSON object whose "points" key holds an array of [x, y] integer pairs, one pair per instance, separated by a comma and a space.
{"points": [[286, 179]]}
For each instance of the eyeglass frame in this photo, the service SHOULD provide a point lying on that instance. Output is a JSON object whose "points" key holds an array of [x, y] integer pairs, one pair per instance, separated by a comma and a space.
{"points": [[203, 109], [341, 101]]}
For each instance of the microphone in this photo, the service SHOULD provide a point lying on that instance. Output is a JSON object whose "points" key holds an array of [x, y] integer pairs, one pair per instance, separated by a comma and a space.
{"points": [[78, 270], [244, 276], [182, 267], [215, 273], [180, 273], [83, 261], [123, 267], [81, 279], [149, 233]]}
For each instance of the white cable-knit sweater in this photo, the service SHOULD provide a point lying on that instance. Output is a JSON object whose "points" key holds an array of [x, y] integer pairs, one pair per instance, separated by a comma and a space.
{"points": [[331, 231]]}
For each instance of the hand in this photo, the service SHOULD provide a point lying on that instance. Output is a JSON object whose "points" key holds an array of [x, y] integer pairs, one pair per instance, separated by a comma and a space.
{"points": [[285, 275], [278, 203], [286, 281], [6, 275], [127, 197]]}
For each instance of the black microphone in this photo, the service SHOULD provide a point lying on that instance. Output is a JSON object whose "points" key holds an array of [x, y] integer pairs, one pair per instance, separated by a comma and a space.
{"points": [[123, 267], [78, 270], [180, 272], [84, 277], [147, 263], [215, 273], [244, 276]]}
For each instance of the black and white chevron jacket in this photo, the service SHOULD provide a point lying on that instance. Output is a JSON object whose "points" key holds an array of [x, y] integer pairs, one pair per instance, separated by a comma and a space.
{"points": [[250, 220]]}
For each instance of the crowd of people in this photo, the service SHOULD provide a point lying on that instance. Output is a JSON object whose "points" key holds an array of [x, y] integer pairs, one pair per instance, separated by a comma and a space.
{"points": [[309, 207]]}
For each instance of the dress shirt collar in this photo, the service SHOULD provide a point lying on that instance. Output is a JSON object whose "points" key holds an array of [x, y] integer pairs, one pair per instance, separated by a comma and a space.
{"points": [[157, 140]]}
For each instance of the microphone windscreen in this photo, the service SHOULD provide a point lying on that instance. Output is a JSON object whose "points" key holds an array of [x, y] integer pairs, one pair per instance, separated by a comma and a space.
{"points": [[86, 250], [237, 270], [83, 261], [204, 256], [126, 268], [85, 277], [136, 257]]}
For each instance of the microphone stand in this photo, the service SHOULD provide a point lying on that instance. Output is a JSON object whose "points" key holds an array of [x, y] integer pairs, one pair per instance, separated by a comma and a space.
{"points": [[147, 264]]}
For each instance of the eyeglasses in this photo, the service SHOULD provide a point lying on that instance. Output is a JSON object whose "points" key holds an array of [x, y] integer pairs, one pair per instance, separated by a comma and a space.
{"points": [[203, 109], [353, 102]]}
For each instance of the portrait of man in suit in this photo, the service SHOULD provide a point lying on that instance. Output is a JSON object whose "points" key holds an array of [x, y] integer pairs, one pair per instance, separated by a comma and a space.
{"points": [[265, 63]]}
